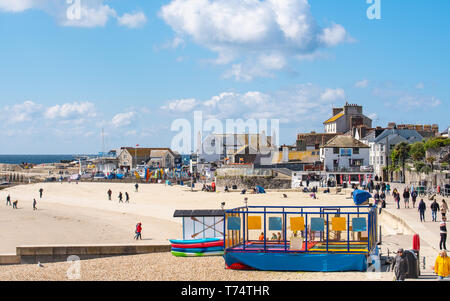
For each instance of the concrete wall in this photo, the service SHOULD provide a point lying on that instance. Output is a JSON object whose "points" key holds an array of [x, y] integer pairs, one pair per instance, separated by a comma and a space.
{"points": [[34, 254], [251, 182]]}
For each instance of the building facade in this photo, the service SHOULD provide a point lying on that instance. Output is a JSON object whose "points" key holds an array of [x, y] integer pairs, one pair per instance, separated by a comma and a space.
{"points": [[346, 118]]}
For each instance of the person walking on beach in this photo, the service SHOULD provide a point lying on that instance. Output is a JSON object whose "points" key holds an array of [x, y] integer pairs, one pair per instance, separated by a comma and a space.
{"points": [[120, 197], [414, 198], [406, 197], [40, 192], [109, 194], [15, 204], [400, 265], [34, 204], [443, 229], [127, 197], [138, 231], [442, 265], [422, 207], [444, 209], [434, 210], [136, 186], [8, 200]]}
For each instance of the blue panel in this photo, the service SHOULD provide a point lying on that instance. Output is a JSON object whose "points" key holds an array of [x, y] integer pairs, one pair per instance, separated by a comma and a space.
{"points": [[317, 224], [299, 261], [359, 224], [275, 224], [234, 223], [197, 250]]}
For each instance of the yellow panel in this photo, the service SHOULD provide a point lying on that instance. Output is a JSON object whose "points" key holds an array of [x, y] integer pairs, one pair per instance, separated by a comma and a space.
{"points": [[297, 224], [254, 222], [338, 223]]}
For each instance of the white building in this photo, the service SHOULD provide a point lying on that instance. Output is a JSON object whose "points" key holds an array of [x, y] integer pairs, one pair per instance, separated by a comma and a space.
{"points": [[379, 154], [346, 160]]}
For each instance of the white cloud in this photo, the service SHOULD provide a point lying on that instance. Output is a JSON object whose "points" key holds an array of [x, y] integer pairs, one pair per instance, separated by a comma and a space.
{"points": [[420, 86], [71, 111], [334, 35], [181, 105], [132, 20], [15, 5], [76, 13], [21, 112], [362, 84], [123, 119], [243, 29], [300, 103], [333, 94]]}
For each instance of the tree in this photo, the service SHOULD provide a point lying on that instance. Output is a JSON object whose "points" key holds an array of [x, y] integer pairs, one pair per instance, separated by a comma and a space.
{"points": [[434, 143], [400, 154], [417, 151], [431, 160]]}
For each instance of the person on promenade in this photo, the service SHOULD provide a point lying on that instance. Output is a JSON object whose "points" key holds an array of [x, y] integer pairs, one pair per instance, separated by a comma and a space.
{"points": [[377, 198], [136, 186], [406, 197], [377, 188], [444, 209], [388, 189], [414, 197], [422, 208], [8, 200], [443, 229], [400, 265], [383, 187], [15, 204], [40, 192], [382, 196], [138, 231], [396, 196], [127, 197], [434, 210], [109, 194], [120, 197], [34, 204], [442, 265]]}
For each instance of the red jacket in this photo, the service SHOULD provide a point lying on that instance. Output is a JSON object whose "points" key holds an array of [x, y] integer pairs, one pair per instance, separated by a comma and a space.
{"points": [[139, 228]]}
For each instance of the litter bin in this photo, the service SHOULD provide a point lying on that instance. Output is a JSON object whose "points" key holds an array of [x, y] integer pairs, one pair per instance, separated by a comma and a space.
{"points": [[413, 262]]}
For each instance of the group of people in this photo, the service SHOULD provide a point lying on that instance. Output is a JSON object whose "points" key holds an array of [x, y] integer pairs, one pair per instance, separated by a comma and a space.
{"points": [[16, 202], [275, 237], [120, 196]]}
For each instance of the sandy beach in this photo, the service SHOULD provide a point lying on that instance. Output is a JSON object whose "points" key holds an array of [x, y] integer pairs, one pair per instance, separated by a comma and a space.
{"points": [[81, 213]]}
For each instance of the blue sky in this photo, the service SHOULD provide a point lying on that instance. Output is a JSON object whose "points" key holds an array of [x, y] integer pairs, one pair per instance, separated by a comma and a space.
{"points": [[133, 67]]}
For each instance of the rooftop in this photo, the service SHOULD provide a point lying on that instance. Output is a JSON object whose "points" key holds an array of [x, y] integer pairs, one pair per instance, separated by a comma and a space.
{"points": [[345, 141]]}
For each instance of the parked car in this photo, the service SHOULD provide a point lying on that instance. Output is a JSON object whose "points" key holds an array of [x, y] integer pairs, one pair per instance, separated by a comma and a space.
{"points": [[99, 175]]}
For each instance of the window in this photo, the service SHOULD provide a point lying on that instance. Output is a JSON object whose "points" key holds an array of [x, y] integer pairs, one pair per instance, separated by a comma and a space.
{"points": [[356, 151], [335, 150], [381, 160]]}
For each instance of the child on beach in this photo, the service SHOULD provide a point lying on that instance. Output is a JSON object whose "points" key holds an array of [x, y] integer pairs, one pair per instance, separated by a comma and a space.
{"points": [[8, 200], [127, 197], [120, 197], [109, 194], [40, 192], [15, 204], [34, 204], [138, 231]]}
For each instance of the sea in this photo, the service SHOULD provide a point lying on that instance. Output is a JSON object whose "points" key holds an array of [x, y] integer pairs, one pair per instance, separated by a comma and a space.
{"points": [[36, 159]]}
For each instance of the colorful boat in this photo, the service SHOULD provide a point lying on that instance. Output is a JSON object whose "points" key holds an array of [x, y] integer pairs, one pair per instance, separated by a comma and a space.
{"points": [[201, 254], [197, 250], [218, 243], [195, 241]]}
